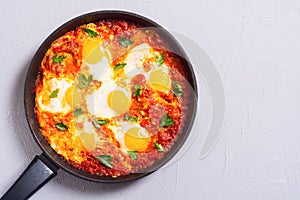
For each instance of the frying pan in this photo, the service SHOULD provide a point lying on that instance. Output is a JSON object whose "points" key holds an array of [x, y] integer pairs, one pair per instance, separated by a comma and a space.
{"points": [[45, 166]]}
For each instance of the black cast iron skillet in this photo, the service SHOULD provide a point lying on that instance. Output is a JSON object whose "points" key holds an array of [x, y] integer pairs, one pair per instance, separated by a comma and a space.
{"points": [[45, 166]]}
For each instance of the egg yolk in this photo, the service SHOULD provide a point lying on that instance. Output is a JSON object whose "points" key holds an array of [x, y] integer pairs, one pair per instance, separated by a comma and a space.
{"points": [[69, 96], [160, 80], [118, 101], [72, 97], [136, 140], [88, 140], [91, 51]]}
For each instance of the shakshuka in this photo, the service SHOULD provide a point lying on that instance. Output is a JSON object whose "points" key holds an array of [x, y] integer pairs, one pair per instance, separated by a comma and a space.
{"points": [[111, 97]]}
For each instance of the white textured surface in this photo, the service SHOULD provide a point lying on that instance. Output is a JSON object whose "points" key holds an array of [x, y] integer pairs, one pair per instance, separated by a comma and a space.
{"points": [[255, 45]]}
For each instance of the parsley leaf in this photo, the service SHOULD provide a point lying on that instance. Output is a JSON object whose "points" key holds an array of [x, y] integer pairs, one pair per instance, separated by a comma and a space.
{"points": [[177, 89], [61, 126], [84, 81], [159, 147], [58, 59], [77, 112], [160, 59], [105, 160], [90, 32], [133, 154], [90, 79], [120, 66], [137, 90], [54, 93], [166, 120], [102, 121], [125, 41], [99, 122], [130, 118], [82, 78]]}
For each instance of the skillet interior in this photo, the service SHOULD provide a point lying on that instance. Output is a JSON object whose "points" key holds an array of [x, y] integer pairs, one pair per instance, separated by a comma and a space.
{"points": [[32, 74]]}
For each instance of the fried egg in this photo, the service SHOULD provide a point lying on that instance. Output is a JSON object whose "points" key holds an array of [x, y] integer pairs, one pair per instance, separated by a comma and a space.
{"points": [[158, 75], [98, 60], [91, 52], [56, 95], [87, 134], [109, 100], [132, 137]]}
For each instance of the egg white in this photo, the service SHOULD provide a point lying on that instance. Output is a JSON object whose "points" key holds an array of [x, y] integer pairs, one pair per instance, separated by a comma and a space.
{"points": [[58, 104], [135, 60]]}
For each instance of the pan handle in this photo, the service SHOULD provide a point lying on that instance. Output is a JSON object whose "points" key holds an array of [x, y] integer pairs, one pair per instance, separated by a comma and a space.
{"points": [[37, 174]]}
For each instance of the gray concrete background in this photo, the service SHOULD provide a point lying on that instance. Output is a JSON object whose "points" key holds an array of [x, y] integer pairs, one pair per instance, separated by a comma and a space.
{"points": [[255, 45]]}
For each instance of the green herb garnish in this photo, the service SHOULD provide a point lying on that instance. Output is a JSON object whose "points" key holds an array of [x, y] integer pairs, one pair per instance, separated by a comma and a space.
{"points": [[177, 89], [105, 160], [58, 59], [137, 90], [133, 154], [77, 112], [54, 93], [159, 147], [160, 59], [130, 118], [166, 120], [125, 41], [84, 81], [120, 66], [90, 32], [61, 126], [98, 123]]}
